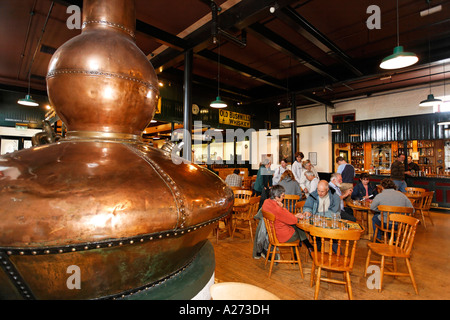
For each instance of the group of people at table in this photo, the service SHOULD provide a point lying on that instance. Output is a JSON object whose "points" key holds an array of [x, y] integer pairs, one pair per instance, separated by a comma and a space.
{"points": [[322, 197]]}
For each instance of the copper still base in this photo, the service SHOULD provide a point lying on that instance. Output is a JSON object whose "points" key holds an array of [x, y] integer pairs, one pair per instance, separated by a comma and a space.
{"points": [[124, 213]]}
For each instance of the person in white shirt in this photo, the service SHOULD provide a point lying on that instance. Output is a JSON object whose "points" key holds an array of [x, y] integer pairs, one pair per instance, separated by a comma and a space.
{"points": [[311, 183], [279, 171], [297, 167]]}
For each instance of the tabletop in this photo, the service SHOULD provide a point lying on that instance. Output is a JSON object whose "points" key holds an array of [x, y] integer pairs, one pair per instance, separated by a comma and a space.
{"points": [[306, 224]]}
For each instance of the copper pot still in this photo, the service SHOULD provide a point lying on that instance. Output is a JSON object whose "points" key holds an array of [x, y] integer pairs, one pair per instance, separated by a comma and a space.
{"points": [[100, 201]]}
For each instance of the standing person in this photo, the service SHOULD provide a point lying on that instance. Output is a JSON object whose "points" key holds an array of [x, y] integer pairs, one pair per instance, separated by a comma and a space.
{"points": [[398, 173], [412, 166], [263, 181], [285, 222], [347, 171], [297, 167], [234, 179], [279, 171], [364, 190]]}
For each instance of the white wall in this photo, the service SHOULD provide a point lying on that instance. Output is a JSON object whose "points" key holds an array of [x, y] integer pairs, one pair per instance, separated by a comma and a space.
{"points": [[315, 135]]}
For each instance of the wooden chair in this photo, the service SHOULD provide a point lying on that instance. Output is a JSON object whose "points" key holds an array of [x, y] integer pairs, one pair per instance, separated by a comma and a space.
{"points": [[333, 262], [269, 221], [400, 244], [415, 190], [247, 216], [243, 194], [426, 205], [247, 183], [384, 223], [290, 200], [227, 223], [299, 206]]}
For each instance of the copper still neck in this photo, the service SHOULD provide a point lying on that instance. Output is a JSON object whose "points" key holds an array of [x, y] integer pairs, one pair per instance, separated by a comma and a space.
{"points": [[100, 82], [117, 14]]}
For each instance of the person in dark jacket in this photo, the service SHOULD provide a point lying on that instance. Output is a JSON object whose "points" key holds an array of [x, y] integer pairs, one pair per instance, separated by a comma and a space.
{"points": [[398, 173], [364, 189]]}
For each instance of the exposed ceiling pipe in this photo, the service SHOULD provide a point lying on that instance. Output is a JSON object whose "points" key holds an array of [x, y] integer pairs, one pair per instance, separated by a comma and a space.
{"points": [[22, 55], [216, 30]]}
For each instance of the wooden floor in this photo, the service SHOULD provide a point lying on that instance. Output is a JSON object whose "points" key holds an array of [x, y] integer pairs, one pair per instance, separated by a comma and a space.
{"points": [[430, 263]]}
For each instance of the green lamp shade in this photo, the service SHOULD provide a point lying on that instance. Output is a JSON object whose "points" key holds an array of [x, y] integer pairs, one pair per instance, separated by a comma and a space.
{"points": [[218, 103], [28, 101], [431, 101], [399, 59], [287, 120]]}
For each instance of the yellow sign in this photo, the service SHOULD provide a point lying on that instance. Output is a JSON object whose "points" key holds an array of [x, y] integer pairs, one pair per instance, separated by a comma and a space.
{"points": [[234, 118], [158, 106]]}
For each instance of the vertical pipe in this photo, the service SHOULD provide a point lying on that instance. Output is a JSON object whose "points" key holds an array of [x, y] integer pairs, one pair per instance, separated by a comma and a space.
{"points": [[294, 127], [187, 100]]}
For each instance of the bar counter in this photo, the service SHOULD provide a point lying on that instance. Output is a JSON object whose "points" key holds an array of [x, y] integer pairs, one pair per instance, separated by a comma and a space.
{"points": [[440, 186]]}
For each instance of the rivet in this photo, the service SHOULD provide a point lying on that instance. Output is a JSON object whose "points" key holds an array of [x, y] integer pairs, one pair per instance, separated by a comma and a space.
{"points": [[86, 247], [34, 252], [131, 242], [60, 251], [9, 253], [97, 246], [47, 251], [21, 253], [73, 249]]}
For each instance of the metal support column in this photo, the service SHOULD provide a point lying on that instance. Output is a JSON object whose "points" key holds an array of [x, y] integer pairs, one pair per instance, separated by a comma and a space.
{"points": [[187, 100], [294, 126]]}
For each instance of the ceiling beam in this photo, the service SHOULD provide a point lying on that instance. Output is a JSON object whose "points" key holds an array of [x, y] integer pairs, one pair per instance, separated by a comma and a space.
{"points": [[240, 16], [291, 17], [277, 42]]}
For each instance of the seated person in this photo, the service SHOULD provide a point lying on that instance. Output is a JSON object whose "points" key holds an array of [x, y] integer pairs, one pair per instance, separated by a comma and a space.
{"points": [[335, 186], [289, 184], [322, 201], [389, 196], [311, 183], [285, 222], [364, 190], [234, 179]]}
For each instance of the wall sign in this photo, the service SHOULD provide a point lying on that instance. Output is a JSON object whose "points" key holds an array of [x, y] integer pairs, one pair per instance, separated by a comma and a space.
{"points": [[234, 118]]}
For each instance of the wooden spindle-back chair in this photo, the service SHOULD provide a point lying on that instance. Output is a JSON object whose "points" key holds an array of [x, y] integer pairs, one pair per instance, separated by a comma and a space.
{"points": [[331, 261], [289, 201], [247, 216], [242, 194], [269, 221], [403, 231], [384, 226]]}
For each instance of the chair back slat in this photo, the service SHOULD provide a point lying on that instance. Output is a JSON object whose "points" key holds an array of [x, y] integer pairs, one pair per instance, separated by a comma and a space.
{"points": [[253, 207], [403, 237], [345, 240], [299, 206], [269, 221], [242, 194], [427, 200], [386, 211], [290, 201]]}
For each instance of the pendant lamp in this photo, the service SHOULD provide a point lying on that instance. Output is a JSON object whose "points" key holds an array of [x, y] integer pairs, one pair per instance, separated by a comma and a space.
{"points": [[399, 59], [28, 101], [287, 120], [218, 103], [430, 101]]}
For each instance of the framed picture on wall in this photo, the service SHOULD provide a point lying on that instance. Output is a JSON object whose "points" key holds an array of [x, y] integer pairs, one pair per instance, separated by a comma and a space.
{"points": [[312, 156], [285, 147]]}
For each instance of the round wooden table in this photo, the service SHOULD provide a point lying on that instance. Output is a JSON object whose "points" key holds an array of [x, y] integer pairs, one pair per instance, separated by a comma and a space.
{"points": [[362, 213]]}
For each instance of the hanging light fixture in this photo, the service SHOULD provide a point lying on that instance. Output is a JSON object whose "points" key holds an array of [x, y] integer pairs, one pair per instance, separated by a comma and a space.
{"points": [[287, 119], [430, 101], [218, 103], [336, 129], [399, 59]]}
